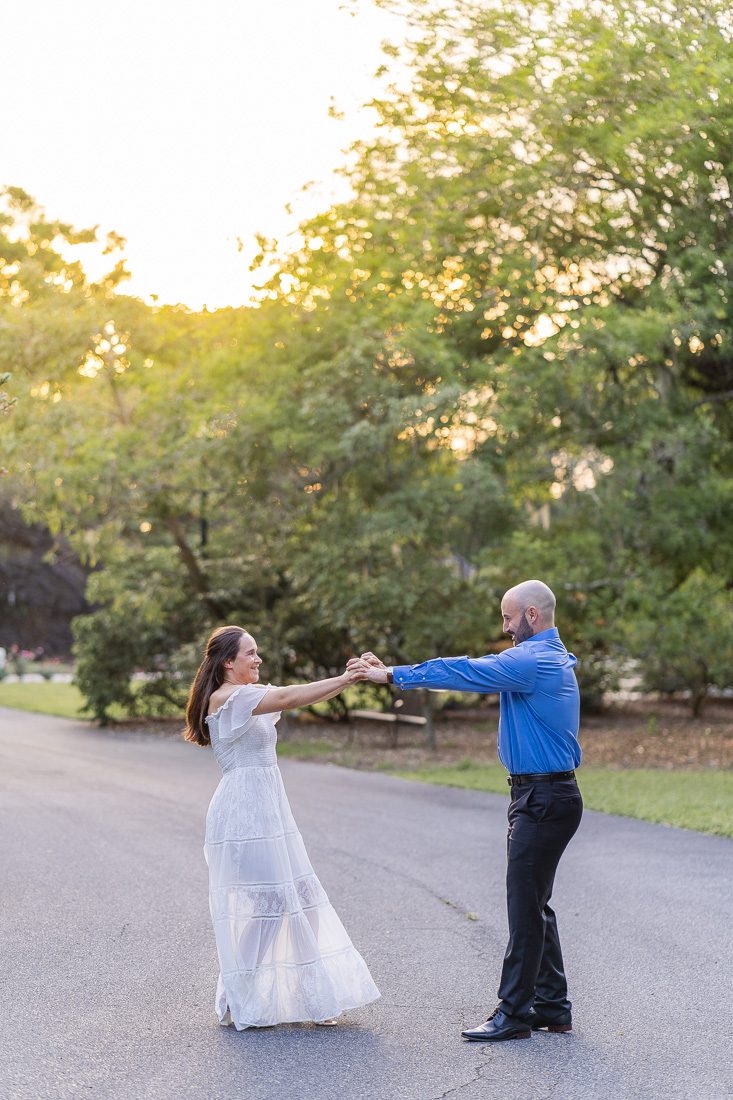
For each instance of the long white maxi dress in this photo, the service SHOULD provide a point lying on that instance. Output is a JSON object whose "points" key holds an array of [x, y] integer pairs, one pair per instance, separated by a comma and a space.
{"points": [[284, 955]]}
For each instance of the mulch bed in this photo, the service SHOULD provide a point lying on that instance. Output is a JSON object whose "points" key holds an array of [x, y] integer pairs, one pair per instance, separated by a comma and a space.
{"points": [[659, 734], [643, 734]]}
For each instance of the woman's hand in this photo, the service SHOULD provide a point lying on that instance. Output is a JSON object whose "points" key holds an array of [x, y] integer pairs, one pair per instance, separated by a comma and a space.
{"points": [[356, 670]]}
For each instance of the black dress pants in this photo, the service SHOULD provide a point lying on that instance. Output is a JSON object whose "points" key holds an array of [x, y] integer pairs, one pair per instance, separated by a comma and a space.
{"points": [[542, 819]]}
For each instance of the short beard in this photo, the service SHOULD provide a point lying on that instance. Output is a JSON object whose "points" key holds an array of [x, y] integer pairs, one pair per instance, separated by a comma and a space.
{"points": [[524, 630]]}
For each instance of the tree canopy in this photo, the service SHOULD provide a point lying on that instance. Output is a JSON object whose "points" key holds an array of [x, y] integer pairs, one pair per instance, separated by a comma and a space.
{"points": [[507, 354]]}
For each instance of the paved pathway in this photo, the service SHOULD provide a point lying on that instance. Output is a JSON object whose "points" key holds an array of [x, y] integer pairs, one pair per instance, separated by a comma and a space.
{"points": [[108, 966]]}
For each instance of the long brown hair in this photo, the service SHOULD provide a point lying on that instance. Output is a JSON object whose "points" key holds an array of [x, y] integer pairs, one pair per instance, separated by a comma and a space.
{"points": [[223, 645]]}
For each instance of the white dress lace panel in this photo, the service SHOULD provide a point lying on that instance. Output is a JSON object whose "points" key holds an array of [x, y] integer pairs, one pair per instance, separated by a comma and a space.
{"points": [[284, 955]]}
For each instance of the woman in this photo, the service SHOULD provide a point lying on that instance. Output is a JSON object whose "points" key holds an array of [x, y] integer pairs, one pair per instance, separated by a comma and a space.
{"points": [[284, 955]]}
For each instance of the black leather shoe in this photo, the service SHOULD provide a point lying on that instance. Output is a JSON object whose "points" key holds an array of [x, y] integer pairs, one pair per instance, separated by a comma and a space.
{"points": [[562, 1023], [499, 1026]]}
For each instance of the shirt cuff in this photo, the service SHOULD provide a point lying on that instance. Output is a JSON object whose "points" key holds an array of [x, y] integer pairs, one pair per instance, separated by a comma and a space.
{"points": [[401, 674]]}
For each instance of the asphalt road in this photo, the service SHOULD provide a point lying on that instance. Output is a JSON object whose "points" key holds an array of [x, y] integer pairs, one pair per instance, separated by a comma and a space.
{"points": [[108, 964]]}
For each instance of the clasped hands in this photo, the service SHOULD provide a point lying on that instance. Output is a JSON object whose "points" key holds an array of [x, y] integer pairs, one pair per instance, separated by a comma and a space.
{"points": [[367, 667]]}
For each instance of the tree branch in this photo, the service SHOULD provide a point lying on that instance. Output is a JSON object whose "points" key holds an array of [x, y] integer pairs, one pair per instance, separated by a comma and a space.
{"points": [[195, 573], [727, 395]]}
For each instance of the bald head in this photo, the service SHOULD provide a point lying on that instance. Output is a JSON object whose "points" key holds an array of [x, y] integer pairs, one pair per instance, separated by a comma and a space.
{"points": [[526, 609]]}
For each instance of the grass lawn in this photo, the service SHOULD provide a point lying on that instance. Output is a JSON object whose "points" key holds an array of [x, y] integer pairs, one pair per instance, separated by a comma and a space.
{"points": [[49, 697], [688, 799], [61, 699]]}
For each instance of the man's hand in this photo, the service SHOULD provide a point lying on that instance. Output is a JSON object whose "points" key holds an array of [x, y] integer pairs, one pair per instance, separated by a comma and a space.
{"points": [[376, 670], [370, 659], [377, 674]]}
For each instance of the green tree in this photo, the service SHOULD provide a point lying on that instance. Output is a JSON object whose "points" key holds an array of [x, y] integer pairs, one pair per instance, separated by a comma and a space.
{"points": [[6, 401], [541, 222], [683, 638], [508, 353]]}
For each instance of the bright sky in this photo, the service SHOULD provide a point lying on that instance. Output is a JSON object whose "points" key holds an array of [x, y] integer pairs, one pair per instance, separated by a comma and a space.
{"points": [[185, 124]]}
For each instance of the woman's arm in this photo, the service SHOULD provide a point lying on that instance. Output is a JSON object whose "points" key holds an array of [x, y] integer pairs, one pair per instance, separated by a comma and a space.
{"points": [[304, 695]]}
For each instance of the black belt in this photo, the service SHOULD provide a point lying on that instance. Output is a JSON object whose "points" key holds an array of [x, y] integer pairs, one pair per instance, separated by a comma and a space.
{"points": [[539, 777]]}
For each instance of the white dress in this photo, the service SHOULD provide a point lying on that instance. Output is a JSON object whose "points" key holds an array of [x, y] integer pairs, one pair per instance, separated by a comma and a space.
{"points": [[284, 955]]}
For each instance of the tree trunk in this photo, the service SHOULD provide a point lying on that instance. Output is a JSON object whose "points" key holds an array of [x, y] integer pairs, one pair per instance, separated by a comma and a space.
{"points": [[698, 701], [427, 709], [195, 573], [700, 693]]}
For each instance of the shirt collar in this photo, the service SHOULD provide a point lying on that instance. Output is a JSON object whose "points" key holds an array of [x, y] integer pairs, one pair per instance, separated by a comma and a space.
{"points": [[543, 635]]}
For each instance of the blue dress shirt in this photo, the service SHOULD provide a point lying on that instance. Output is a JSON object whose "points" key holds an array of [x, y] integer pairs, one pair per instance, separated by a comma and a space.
{"points": [[539, 703]]}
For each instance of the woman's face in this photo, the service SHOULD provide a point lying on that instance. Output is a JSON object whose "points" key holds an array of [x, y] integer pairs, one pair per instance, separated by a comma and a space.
{"points": [[245, 668]]}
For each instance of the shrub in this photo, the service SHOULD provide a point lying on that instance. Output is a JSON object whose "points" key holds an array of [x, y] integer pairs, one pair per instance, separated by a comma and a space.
{"points": [[684, 638], [135, 628]]}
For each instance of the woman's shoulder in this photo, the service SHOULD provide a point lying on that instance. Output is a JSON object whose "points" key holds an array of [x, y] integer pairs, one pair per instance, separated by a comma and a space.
{"points": [[248, 696], [218, 698]]}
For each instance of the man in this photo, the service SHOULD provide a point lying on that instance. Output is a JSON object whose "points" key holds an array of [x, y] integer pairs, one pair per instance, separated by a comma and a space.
{"points": [[538, 744]]}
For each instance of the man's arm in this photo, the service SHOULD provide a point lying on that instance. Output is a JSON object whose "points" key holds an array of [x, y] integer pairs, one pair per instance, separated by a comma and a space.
{"points": [[513, 670]]}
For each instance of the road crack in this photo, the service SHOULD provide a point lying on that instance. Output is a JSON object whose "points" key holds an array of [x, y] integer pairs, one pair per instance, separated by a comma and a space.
{"points": [[457, 907], [462, 928], [477, 1074], [553, 1086]]}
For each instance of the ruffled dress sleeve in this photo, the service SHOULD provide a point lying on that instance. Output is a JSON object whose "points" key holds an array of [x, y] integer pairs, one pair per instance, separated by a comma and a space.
{"points": [[235, 716]]}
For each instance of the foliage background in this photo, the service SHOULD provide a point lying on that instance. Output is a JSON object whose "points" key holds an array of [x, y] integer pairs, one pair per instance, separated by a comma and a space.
{"points": [[508, 354]]}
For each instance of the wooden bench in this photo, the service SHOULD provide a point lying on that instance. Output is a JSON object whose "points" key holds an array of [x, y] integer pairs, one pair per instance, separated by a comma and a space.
{"points": [[392, 719]]}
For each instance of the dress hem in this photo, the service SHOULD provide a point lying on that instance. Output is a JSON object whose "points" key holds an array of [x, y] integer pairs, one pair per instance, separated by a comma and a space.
{"points": [[230, 1022]]}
